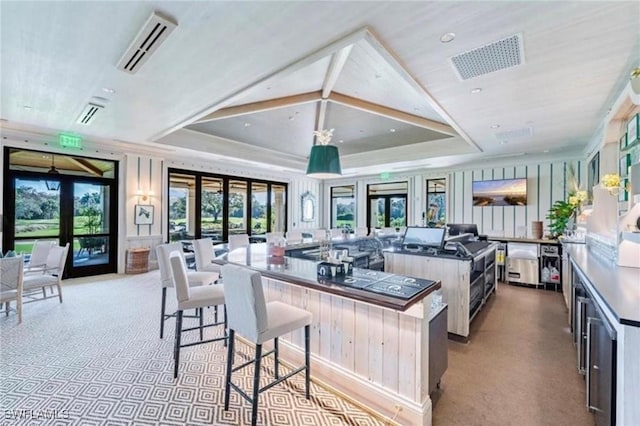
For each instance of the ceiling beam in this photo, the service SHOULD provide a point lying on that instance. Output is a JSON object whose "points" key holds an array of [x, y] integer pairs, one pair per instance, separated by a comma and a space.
{"points": [[391, 113], [87, 166], [321, 114], [350, 39], [261, 106], [338, 60]]}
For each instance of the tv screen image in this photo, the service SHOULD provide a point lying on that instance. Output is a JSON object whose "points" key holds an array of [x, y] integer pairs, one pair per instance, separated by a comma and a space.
{"points": [[504, 192], [424, 237]]}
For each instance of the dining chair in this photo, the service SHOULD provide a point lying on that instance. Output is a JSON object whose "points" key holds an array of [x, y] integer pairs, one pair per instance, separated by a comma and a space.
{"points": [[39, 253], [294, 236], [195, 278], [11, 283], [320, 234], [50, 276], [336, 232], [258, 322], [361, 231], [192, 298], [274, 236], [238, 241]]}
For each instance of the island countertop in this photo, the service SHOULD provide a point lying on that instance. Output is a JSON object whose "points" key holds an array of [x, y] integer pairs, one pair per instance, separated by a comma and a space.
{"points": [[303, 272]]}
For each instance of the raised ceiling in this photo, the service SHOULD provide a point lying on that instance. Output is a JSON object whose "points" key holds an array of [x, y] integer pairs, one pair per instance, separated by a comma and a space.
{"points": [[362, 68]]}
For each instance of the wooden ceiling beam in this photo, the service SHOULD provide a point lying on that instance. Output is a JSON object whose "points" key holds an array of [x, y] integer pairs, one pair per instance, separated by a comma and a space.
{"points": [[87, 166], [338, 60], [321, 114], [262, 106], [391, 113]]}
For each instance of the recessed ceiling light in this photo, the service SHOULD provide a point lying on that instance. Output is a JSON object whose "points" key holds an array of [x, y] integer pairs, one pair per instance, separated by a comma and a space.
{"points": [[341, 141], [392, 130], [545, 151], [504, 142], [447, 37], [495, 126], [247, 124], [378, 76], [27, 107], [291, 118], [361, 131], [108, 90], [476, 90]]}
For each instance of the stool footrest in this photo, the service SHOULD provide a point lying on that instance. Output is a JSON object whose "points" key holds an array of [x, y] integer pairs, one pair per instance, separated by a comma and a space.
{"points": [[268, 386], [200, 342], [251, 361], [203, 326]]}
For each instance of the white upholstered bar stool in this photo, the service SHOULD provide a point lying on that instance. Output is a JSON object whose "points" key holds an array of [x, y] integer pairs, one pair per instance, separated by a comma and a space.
{"points": [[361, 231], [294, 236], [195, 278], [204, 254], [192, 298], [238, 241], [258, 322]]}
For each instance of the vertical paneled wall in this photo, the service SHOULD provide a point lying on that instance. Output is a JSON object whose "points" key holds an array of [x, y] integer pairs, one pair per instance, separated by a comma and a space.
{"points": [[546, 183], [297, 187]]}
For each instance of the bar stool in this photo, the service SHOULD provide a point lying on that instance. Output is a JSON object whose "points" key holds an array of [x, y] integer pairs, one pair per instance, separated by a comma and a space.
{"points": [[258, 322], [166, 277], [203, 251], [192, 298]]}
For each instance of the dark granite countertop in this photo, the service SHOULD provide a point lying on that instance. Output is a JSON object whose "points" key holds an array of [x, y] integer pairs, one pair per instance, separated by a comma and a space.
{"points": [[303, 272], [617, 286]]}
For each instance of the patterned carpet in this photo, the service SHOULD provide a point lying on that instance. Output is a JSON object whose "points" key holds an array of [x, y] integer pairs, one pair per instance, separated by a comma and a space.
{"points": [[97, 359]]}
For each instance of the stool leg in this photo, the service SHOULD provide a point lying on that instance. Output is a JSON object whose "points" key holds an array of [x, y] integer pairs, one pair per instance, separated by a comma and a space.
{"points": [[256, 386], [162, 308], [225, 331], [307, 347], [227, 381], [176, 347], [276, 363], [201, 312]]}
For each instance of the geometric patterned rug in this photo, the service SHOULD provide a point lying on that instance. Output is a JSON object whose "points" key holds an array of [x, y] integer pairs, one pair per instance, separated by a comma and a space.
{"points": [[97, 359]]}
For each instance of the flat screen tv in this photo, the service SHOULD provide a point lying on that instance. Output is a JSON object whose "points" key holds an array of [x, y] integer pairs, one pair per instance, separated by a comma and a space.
{"points": [[462, 228], [424, 237], [503, 192]]}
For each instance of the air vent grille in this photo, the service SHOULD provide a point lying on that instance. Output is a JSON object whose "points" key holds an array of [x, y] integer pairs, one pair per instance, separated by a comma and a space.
{"points": [[154, 32], [88, 114], [524, 132], [496, 56]]}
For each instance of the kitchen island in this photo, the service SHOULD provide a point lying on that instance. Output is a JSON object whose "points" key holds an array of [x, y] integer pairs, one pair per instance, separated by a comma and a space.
{"points": [[368, 345]]}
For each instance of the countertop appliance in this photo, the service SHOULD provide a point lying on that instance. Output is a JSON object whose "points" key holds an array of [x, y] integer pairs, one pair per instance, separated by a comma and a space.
{"points": [[522, 263]]}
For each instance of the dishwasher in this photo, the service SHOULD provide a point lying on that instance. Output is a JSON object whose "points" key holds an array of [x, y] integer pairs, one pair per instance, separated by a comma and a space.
{"points": [[522, 263]]}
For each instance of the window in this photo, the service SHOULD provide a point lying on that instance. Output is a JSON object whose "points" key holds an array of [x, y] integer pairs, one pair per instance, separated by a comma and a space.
{"points": [[436, 208], [387, 206], [214, 206], [343, 207]]}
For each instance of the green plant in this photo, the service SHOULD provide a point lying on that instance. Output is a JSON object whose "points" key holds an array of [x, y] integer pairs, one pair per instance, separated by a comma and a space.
{"points": [[559, 215]]}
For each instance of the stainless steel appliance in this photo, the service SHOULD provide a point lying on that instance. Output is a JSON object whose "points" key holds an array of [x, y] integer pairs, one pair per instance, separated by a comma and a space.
{"points": [[522, 263], [550, 265]]}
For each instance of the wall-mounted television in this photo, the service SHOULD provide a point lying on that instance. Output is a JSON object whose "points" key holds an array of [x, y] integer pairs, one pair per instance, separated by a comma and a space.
{"points": [[503, 192]]}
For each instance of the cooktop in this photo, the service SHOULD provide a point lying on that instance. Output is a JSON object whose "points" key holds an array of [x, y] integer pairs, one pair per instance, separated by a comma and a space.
{"points": [[382, 282]]}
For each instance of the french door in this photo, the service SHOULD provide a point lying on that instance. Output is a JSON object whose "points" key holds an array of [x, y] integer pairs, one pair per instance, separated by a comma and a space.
{"points": [[64, 208], [387, 211]]}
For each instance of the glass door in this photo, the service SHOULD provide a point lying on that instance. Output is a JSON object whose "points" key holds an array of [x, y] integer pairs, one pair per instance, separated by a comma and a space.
{"points": [[90, 233]]}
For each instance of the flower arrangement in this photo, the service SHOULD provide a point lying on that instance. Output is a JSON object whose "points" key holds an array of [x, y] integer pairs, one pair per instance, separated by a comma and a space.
{"points": [[612, 183], [564, 213]]}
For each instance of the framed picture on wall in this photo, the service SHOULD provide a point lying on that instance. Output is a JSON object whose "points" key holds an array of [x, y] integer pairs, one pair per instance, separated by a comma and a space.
{"points": [[633, 128], [143, 214], [625, 162], [623, 195], [623, 141]]}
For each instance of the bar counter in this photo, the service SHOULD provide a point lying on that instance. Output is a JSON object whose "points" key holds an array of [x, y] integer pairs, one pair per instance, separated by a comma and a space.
{"points": [[370, 348], [304, 273]]}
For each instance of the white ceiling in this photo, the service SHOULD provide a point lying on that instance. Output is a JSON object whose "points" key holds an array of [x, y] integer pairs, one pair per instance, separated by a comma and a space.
{"points": [[230, 57]]}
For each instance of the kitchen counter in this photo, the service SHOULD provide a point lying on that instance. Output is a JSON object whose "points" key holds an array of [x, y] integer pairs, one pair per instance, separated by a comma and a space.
{"points": [[523, 240], [618, 286]]}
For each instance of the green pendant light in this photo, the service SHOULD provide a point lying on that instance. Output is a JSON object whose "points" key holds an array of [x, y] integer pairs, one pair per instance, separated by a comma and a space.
{"points": [[324, 160]]}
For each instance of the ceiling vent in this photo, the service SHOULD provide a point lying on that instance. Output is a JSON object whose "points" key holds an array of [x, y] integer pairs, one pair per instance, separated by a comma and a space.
{"points": [[88, 114], [496, 56], [151, 35], [525, 132]]}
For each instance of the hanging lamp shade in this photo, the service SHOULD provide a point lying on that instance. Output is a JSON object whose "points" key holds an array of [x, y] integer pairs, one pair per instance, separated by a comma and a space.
{"points": [[324, 160], [52, 185]]}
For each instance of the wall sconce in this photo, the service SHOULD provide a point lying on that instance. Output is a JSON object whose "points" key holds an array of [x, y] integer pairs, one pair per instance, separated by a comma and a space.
{"points": [[144, 196]]}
